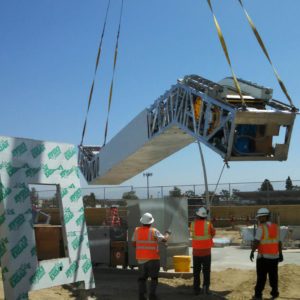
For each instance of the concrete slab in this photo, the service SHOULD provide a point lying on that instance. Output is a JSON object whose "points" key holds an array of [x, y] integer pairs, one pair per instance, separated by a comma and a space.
{"points": [[237, 258]]}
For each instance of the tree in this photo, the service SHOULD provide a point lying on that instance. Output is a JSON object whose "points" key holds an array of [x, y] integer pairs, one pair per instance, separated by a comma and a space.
{"points": [[93, 200], [130, 195], [176, 192], [234, 196], [289, 184], [224, 195], [89, 200], [266, 186], [189, 193]]}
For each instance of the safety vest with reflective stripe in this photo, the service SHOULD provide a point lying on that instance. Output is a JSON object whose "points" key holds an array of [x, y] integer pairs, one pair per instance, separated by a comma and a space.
{"points": [[146, 245], [201, 234], [269, 240]]}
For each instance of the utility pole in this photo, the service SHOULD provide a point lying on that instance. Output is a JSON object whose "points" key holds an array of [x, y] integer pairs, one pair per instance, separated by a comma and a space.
{"points": [[147, 174]]}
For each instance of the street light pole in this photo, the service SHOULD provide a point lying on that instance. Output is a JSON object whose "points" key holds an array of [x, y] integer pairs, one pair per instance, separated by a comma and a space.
{"points": [[147, 174]]}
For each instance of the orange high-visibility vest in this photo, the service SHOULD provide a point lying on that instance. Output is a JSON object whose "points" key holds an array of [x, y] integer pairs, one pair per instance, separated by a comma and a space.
{"points": [[146, 245], [201, 234], [269, 241]]}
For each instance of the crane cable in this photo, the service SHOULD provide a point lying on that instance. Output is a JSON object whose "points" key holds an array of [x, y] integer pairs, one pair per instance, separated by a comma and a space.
{"points": [[95, 73], [225, 50], [208, 199], [113, 75], [264, 49], [214, 193]]}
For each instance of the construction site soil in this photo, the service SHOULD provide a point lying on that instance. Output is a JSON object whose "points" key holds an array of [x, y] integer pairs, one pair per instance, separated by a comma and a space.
{"points": [[119, 284]]}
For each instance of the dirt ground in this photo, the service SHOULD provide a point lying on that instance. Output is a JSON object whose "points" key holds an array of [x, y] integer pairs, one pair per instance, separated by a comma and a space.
{"points": [[118, 284]]}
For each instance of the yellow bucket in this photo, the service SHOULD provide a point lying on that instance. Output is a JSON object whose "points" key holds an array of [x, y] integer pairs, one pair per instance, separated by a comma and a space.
{"points": [[182, 263]]}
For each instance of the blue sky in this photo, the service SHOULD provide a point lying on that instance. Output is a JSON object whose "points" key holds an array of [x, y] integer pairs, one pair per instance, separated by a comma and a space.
{"points": [[47, 58]]}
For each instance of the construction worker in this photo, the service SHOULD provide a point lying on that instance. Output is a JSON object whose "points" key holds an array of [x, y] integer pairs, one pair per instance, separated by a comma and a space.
{"points": [[113, 219], [202, 232], [267, 242], [146, 240]]}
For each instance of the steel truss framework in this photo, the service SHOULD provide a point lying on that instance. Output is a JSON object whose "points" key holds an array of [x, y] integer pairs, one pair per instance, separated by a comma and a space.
{"points": [[218, 123], [203, 110]]}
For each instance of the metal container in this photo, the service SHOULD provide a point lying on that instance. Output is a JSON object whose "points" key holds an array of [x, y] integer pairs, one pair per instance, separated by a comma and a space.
{"points": [[118, 254], [99, 240], [118, 233], [247, 234], [169, 214]]}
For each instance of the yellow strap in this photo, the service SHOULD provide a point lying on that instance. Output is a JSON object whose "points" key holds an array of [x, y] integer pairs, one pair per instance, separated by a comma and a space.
{"points": [[95, 73], [264, 49], [113, 75], [223, 43]]}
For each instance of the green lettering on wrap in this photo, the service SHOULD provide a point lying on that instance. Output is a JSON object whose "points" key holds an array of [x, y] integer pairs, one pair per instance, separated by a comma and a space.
{"points": [[18, 275], [20, 247], [16, 222], [19, 150], [77, 242], [80, 220], [38, 275], [87, 265], [70, 153], [22, 195], [37, 150], [32, 172], [3, 145], [55, 271], [3, 248], [76, 195], [2, 218], [4, 192], [68, 215], [53, 154], [72, 269]]}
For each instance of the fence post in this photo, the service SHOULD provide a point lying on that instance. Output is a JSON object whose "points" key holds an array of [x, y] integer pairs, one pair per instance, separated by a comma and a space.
{"points": [[162, 192], [104, 195]]}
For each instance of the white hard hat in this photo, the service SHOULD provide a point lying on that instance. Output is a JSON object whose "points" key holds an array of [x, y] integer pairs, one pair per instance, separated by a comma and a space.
{"points": [[147, 219], [262, 212], [201, 212]]}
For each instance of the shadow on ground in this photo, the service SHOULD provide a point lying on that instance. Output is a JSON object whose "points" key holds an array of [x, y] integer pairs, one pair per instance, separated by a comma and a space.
{"points": [[118, 284]]}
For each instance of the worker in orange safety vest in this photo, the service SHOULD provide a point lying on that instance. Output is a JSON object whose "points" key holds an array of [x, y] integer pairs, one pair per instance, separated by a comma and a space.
{"points": [[145, 240], [267, 242], [202, 233]]}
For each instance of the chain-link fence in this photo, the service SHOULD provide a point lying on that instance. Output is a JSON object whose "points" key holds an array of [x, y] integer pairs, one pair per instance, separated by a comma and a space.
{"points": [[237, 193]]}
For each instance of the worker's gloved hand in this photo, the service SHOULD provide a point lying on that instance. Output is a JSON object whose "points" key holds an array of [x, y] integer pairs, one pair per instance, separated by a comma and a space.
{"points": [[168, 232], [252, 255], [280, 259]]}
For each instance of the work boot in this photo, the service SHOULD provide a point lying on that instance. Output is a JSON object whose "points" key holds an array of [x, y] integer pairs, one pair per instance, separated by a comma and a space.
{"points": [[274, 295], [206, 290], [142, 297], [197, 292], [257, 297]]}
